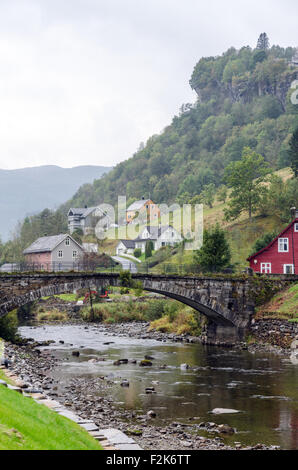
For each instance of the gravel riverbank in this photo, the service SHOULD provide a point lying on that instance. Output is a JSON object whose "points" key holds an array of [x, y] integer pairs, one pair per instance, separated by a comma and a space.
{"points": [[34, 365]]}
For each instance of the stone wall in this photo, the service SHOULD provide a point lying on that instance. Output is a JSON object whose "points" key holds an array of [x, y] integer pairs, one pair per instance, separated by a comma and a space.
{"points": [[276, 332]]}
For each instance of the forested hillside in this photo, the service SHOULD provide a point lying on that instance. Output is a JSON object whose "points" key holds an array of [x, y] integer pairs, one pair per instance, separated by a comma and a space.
{"points": [[243, 100]]}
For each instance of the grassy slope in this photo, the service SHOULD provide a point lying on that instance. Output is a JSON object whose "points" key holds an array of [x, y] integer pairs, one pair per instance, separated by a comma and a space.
{"points": [[283, 305], [26, 425], [241, 234]]}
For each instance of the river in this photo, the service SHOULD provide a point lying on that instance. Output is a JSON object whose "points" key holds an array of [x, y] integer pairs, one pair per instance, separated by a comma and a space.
{"points": [[262, 387]]}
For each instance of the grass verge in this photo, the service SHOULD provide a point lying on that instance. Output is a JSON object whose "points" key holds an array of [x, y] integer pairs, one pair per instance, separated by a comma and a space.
{"points": [[27, 425]]}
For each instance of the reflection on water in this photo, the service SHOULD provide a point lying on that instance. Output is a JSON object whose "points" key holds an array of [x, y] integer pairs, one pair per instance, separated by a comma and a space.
{"points": [[263, 387]]}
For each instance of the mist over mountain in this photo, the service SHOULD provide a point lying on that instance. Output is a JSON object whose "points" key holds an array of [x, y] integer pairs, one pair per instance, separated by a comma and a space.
{"points": [[27, 191]]}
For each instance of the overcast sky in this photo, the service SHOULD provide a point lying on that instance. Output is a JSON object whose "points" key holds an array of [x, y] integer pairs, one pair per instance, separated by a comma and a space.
{"points": [[85, 81]]}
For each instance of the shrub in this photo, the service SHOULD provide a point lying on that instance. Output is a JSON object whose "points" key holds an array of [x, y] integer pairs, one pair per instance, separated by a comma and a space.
{"points": [[9, 326], [138, 252]]}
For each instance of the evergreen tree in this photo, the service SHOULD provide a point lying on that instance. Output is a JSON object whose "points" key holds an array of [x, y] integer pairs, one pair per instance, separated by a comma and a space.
{"points": [[263, 42], [263, 241], [148, 249], [215, 253], [294, 152]]}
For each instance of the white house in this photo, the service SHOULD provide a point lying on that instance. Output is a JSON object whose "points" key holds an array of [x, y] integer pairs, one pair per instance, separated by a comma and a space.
{"points": [[160, 236], [125, 247], [167, 235]]}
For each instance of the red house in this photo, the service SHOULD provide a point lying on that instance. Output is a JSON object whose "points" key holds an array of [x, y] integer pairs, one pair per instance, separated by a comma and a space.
{"points": [[281, 255]]}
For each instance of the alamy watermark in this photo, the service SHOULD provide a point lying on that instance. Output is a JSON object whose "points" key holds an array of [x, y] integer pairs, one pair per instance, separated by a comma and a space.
{"points": [[185, 223]]}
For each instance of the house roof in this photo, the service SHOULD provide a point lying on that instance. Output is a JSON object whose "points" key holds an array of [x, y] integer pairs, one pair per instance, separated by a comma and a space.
{"points": [[128, 243], [45, 244], [154, 231], [273, 241], [138, 205], [81, 212]]}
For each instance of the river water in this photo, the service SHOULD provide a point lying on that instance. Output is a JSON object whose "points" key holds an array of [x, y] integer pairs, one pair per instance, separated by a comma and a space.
{"points": [[262, 387]]}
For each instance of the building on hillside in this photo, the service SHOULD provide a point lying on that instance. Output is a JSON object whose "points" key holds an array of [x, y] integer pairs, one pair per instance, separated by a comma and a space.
{"points": [[159, 235], [54, 253], [281, 255], [125, 247], [86, 219], [164, 235], [144, 209]]}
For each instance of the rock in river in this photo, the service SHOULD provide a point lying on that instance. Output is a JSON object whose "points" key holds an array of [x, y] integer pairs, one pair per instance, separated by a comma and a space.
{"points": [[221, 411]]}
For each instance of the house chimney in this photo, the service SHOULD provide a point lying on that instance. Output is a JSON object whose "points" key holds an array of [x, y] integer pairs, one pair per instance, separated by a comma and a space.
{"points": [[294, 213], [86, 207]]}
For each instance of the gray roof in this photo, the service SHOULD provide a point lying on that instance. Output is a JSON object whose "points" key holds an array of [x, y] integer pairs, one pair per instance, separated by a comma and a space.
{"points": [[137, 204], [45, 244], [128, 243], [81, 212]]}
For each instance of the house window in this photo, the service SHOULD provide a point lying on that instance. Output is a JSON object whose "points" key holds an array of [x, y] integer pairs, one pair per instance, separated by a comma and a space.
{"points": [[74, 254], [266, 268], [60, 254], [296, 227], [288, 269], [283, 245], [67, 242]]}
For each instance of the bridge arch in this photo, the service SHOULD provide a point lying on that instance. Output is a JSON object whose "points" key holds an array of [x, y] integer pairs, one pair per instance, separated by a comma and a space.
{"points": [[225, 302]]}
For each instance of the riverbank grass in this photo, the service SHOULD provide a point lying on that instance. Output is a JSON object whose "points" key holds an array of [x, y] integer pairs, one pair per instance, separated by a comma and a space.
{"points": [[27, 425]]}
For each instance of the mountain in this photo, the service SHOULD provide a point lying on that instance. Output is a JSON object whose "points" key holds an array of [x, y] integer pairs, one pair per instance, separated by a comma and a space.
{"points": [[27, 191], [243, 99]]}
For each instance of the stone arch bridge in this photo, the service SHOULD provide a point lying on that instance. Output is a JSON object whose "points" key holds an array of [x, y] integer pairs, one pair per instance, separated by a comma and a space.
{"points": [[227, 303]]}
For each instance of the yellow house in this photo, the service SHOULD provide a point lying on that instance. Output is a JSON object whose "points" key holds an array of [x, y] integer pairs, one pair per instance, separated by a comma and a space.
{"points": [[143, 208]]}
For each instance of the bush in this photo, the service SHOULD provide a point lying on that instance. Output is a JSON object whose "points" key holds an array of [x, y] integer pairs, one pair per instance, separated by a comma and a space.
{"points": [[138, 252], [9, 326]]}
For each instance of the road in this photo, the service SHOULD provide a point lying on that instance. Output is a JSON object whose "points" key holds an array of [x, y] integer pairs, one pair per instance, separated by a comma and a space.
{"points": [[127, 265]]}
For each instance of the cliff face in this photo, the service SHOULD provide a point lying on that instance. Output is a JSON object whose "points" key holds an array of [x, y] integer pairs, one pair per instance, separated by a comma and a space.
{"points": [[242, 76]]}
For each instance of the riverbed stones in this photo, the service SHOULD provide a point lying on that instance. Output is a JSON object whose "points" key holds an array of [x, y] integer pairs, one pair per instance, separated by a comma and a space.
{"points": [[145, 363], [75, 353], [124, 383]]}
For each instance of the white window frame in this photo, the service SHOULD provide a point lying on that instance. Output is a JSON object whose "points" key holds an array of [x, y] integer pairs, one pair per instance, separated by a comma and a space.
{"points": [[60, 254], [67, 242], [285, 268], [282, 241], [265, 268], [74, 254], [296, 227]]}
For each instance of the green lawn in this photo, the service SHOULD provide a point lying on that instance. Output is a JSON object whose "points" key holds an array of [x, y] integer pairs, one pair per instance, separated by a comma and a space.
{"points": [[27, 425]]}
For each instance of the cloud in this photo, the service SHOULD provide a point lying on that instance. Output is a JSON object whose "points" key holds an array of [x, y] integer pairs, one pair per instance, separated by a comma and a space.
{"points": [[83, 82]]}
